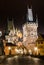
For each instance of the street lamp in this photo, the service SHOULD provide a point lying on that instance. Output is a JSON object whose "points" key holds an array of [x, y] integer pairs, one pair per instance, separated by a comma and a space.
{"points": [[0, 33]]}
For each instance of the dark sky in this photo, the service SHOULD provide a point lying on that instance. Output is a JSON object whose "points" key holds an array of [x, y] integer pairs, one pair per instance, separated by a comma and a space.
{"points": [[38, 7], [18, 9]]}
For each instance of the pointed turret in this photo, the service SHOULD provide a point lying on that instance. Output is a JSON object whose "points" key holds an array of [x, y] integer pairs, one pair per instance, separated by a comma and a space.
{"points": [[37, 20]]}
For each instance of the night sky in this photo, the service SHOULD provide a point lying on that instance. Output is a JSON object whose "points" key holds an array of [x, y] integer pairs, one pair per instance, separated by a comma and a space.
{"points": [[18, 9]]}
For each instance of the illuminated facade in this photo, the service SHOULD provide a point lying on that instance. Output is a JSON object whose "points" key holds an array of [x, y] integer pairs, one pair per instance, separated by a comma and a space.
{"points": [[30, 32], [14, 37]]}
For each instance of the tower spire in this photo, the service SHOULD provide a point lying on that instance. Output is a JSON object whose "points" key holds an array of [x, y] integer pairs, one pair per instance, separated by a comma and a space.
{"points": [[30, 14]]}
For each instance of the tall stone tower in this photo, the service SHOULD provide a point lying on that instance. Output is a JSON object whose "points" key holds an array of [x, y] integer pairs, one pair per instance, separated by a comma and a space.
{"points": [[30, 29]]}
